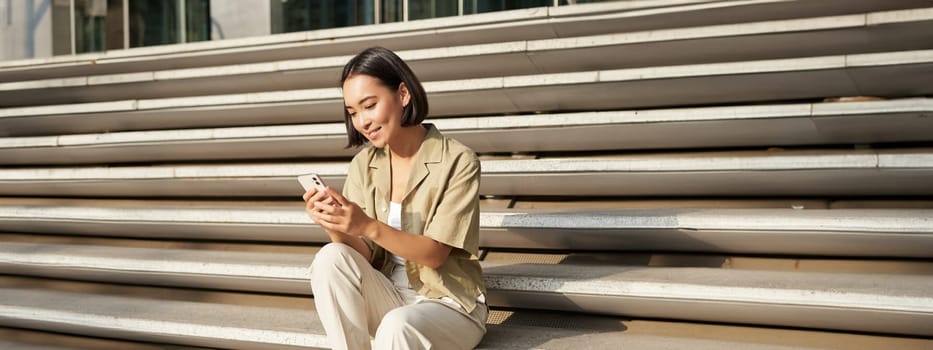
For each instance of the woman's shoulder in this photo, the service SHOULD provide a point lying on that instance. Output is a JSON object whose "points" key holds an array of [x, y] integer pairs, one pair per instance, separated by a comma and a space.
{"points": [[454, 147], [460, 156]]}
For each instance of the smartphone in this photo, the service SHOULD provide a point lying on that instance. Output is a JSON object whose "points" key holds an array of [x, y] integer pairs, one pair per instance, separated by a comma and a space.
{"points": [[309, 180]]}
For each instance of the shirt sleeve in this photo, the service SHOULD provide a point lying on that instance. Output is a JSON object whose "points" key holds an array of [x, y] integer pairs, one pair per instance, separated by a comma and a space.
{"points": [[353, 191], [456, 219], [352, 186]]}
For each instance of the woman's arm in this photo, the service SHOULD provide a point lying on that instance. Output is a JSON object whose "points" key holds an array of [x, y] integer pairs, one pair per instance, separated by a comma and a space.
{"points": [[313, 196], [346, 216]]}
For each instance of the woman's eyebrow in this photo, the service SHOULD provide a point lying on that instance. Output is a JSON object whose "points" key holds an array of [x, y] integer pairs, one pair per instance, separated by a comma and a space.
{"points": [[361, 101], [365, 98]]}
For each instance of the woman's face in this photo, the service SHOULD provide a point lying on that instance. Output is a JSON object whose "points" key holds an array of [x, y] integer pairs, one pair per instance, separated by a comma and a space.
{"points": [[375, 110]]}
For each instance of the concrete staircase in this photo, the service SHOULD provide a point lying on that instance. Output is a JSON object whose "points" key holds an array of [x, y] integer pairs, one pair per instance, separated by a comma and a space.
{"points": [[656, 175]]}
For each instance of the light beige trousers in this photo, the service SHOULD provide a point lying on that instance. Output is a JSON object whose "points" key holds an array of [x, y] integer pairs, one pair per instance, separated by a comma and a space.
{"points": [[355, 301]]}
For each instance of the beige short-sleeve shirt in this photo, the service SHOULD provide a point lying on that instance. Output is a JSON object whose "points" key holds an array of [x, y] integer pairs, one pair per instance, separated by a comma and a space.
{"points": [[442, 202]]}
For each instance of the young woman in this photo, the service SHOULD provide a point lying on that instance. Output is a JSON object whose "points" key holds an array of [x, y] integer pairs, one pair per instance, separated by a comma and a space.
{"points": [[402, 266]]}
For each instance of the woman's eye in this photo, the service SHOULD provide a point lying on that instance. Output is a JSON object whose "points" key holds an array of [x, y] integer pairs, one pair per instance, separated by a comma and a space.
{"points": [[351, 114], [370, 106]]}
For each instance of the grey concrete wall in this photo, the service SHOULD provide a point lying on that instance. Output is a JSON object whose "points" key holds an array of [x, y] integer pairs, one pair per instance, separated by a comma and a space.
{"points": [[240, 18], [25, 29]]}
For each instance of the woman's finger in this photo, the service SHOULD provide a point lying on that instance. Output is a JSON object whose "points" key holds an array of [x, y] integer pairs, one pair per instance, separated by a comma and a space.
{"points": [[309, 207], [331, 209], [314, 195], [328, 221], [324, 224], [329, 200], [319, 196], [336, 196], [318, 216]]}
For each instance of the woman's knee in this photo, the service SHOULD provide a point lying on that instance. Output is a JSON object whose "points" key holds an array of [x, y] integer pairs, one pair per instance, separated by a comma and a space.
{"points": [[328, 259], [333, 250], [419, 327], [401, 316], [398, 323]]}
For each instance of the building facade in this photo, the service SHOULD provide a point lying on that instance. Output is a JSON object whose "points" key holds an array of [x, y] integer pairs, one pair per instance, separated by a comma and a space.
{"points": [[43, 28]]}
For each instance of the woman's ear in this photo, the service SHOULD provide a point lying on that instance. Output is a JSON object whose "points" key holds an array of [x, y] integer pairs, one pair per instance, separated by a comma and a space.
{"points": [[403, 94]]}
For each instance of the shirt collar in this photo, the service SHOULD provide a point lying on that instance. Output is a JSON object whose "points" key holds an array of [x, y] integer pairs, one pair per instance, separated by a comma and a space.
{"points": [[431, 150], [430, 153]]}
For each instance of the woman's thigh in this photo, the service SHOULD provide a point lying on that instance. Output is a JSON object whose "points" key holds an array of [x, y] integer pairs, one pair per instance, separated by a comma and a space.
{"points": [[342, 279]]}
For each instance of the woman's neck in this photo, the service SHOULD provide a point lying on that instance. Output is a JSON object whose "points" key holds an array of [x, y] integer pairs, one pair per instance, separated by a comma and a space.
{"points": [[408, 143]]}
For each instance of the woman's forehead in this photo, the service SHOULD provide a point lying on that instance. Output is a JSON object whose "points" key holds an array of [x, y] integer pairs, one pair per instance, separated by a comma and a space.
{"points": [[360, 86]]}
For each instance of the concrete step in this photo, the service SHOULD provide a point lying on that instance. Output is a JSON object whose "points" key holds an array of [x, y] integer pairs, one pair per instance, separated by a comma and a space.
{"points": [[838, 232], [891, 265], [189, 268], [549, 330], [714, 203], [228, 326], [22, 339], [878, 303], [786, 263], [744, 335], [891, 74], [852, 302], [286, 273], [180, 322], [864, 172], [527, 24], [769, 125], [850, 34]]}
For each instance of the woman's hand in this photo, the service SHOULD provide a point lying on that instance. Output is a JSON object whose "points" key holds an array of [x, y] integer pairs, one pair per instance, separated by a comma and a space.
{"points": [[338, 214], [315, 195], [312, 196], [315, 203]]}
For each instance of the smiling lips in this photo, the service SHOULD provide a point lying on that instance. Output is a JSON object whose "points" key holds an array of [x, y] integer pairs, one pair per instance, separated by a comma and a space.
{"points": [[372, 134]]}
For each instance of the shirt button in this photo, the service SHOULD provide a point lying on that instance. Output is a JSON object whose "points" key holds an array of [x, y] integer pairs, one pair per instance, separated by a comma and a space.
{"points": [[384, 209]]}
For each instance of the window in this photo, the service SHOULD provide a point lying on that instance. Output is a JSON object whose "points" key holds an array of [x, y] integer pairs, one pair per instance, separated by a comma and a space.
{"points": [[101, 25], [81, 26], [391, 11], [572, 2], [197, 20], [482, 6], [301, 15], [90, 23], [159, 22], [421, 9]]}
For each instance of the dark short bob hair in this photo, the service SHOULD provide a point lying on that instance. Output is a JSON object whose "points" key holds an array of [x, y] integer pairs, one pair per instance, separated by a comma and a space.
{"points": [[385, 65]]}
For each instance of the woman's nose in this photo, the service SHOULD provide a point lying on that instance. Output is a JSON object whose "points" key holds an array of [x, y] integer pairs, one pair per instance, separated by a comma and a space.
{"points": [[365, 120]]}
